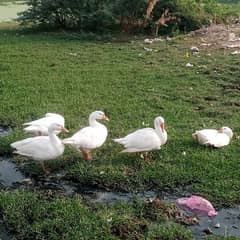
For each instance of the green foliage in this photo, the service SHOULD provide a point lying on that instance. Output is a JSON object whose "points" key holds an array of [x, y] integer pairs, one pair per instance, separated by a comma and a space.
{"points": [[105, 15], [78, 14]]}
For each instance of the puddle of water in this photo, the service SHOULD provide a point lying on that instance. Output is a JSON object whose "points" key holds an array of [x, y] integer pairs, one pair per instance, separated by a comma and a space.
{"points": [[4, 131], [96, 196], [228, 220], [9, 173], [3, 233], [9, 11]]}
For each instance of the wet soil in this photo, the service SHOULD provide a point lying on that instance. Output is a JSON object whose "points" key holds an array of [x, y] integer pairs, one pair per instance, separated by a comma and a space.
{"points": [[226, 223]]}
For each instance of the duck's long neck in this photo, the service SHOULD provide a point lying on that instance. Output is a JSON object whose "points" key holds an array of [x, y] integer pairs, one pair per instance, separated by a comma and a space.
{"points": [[93, 122], [53, 137], [162, 134]]}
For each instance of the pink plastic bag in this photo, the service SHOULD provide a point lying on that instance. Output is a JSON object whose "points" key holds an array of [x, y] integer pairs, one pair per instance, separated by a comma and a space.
{"points": [[198, 205]]}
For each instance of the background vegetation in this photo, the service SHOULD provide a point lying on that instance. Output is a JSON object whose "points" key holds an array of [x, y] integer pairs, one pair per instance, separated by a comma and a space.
{"points": [[105, 15]]}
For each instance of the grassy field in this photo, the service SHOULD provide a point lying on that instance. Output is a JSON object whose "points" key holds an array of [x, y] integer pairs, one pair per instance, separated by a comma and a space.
{"points": [[63, 73]]}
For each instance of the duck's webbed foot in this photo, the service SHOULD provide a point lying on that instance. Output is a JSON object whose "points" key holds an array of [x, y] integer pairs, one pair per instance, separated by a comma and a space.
{"points": [[86, 154], [46, 171]]}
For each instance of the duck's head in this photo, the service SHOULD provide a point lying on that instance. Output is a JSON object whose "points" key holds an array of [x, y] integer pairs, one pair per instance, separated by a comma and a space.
{"points": [[98, 115], [159, 121], [228, 131], [55, 127]]}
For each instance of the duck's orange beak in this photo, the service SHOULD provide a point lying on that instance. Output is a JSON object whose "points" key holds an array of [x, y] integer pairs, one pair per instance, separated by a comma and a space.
{"points": [[105, 118], [64, 129], [162, 126]]}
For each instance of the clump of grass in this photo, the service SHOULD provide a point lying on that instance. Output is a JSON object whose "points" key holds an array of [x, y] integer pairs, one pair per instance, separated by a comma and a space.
{"points": [[29, 216]]}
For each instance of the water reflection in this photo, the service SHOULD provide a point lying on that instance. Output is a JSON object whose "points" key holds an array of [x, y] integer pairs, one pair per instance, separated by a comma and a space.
{"points": [[9, 173]]}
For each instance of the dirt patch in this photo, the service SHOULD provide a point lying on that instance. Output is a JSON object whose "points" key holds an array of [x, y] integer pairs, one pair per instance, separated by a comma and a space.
{"points": [[133, 229], [219, 36]]}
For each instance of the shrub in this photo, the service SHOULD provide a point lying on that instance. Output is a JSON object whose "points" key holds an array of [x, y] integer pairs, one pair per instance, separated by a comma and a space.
{"points": [[104, 15]]}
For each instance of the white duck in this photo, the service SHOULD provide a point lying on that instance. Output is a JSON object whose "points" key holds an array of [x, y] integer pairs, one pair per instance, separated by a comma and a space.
{"points": [[213, 137], [90, 137], [146, 139], [40, 126], [42, 148]]}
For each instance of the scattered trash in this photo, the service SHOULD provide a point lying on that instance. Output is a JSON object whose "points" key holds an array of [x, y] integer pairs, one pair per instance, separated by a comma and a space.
{"points": [[194, 50], [149, 41], [217, 225], [148, 49], [186, 55], [189, 65], [206, 44], [152, 40], [208, 231], [198, 205], [140, 54], [235, 52], [73, 54], [236, 45], [158, 40], [231, 36], [27, 181], [184, 153]]}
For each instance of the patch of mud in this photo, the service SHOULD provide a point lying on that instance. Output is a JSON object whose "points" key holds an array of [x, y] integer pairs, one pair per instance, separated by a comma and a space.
{"points": [[226, 223], [9, 173], [4, 131]]}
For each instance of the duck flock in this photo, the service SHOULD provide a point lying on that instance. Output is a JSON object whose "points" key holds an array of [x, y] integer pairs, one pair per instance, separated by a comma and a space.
{"points": [[46, 145]]}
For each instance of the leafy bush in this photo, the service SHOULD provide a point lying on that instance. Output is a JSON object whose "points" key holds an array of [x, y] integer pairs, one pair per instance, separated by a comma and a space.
{"points": [[104, 15], [81, 14]]}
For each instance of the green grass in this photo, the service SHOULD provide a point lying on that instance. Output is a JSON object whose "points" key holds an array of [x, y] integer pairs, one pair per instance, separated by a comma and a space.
{"points": [[39, 74]]}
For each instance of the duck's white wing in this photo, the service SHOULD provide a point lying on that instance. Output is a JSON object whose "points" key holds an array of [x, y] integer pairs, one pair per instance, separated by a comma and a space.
{"points": [[47, 120], [86, 138], [220, 140], [205, 135], [41, 125], [38, 148], [141, 140]]}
